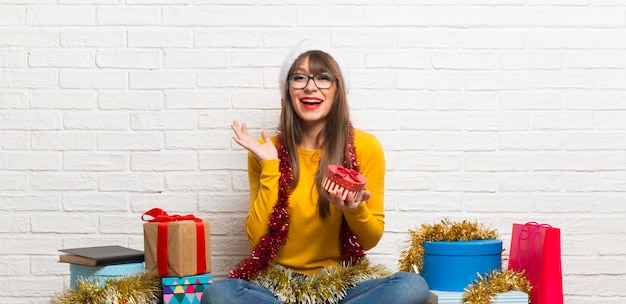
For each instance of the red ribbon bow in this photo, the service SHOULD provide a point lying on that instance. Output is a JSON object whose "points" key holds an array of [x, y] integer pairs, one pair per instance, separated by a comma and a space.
{"points": [[158, 215], [163, 219], [343, 172]]}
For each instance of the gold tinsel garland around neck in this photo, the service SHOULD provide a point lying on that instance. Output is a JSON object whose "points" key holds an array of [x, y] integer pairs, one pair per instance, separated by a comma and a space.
{"points": [[329, 286], [412, 258]]}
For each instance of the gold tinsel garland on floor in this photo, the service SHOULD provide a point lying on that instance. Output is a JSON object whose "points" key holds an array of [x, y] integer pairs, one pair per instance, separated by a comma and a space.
{"points": [[140, 288], [485, 288], [328, 286]]}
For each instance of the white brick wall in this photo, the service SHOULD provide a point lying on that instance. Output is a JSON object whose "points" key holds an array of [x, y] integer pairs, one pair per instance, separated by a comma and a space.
{"points": [[496, 111]]}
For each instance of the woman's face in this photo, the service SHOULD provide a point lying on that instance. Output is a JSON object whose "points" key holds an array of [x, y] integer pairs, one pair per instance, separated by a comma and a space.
{"points": [[311, 104]]}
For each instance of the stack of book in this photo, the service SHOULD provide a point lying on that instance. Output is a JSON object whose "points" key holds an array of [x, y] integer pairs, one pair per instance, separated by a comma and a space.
{"points": [[101, 262]]}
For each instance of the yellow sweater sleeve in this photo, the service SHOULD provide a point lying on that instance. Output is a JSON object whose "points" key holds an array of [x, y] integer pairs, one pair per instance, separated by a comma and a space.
{"points": [[263, 177]]}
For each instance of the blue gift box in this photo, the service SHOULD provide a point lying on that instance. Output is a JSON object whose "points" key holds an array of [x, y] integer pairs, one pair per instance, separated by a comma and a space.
{"points": [[185, 290], [454, 297], [452, 266], [102, 273]]}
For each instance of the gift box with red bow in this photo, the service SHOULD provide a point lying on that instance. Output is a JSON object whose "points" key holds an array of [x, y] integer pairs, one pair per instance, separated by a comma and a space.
{"points": [[343, 180], [176, 245]]}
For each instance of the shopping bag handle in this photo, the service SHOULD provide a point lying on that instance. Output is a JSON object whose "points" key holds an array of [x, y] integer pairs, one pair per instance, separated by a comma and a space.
{"points": [[532, 234]]}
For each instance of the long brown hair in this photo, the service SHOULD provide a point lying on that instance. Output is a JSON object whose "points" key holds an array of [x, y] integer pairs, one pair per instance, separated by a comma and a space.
{"points": [[333, 138]]}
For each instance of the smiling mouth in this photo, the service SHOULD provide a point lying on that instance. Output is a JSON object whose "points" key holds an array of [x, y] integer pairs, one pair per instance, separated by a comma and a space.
{"points": [[311, 101]]}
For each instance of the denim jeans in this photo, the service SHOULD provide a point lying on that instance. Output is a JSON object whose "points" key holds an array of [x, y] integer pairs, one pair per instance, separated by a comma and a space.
{"points": [[398, 288]]}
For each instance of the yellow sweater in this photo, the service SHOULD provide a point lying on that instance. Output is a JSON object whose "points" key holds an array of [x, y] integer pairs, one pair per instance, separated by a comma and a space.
{"points": [[313, 243]]}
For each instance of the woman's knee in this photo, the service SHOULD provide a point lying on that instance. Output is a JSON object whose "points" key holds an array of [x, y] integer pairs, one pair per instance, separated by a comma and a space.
{"points": [[219, 289], [411, 278], [414, 284], [236, 291]]}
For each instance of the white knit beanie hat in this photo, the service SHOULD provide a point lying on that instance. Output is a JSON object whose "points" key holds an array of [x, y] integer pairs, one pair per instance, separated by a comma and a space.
{"points": [[310, 45]]}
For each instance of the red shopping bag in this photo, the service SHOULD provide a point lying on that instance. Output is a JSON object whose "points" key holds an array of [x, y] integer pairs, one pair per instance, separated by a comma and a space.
{"points": [[536, 249]]}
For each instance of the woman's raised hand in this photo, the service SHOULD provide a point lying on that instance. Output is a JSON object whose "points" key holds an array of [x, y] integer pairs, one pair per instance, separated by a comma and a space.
{"points": [[262, 151]]}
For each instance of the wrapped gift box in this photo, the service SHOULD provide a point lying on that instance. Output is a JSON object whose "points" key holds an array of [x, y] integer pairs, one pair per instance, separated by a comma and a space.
{"points": [[185, 290], [181, 242], [451, 266], [102, 273], [455, 297]]}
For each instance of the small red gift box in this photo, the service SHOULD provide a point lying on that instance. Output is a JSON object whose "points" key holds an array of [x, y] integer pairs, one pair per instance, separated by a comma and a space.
{"points": [[343, 180], [176, 245]]}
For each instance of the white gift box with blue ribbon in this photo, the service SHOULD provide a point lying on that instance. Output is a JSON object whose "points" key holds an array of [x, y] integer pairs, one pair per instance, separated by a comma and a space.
{"points": [[456, 297]]}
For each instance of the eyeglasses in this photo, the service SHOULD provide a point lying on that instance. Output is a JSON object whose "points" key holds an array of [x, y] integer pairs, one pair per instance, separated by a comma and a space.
{"points": [[321, 80]]}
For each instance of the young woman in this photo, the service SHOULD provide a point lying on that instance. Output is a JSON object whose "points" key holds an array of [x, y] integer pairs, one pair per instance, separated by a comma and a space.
{"points": [[309, 243]]}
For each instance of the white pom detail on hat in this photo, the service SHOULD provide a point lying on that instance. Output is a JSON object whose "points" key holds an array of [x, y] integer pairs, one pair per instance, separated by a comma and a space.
{"points": [[311, 45]]}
